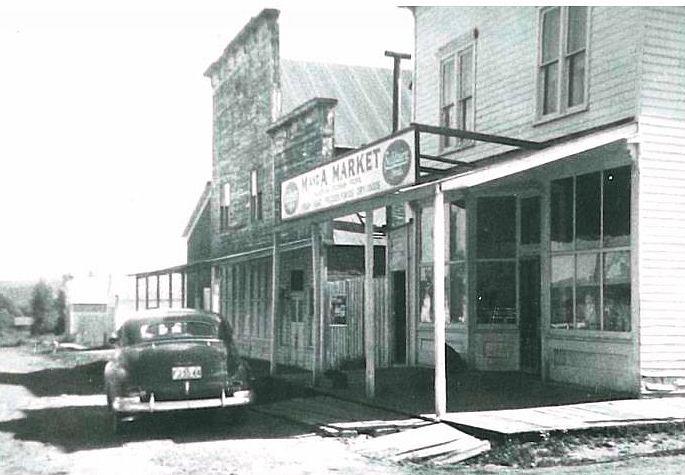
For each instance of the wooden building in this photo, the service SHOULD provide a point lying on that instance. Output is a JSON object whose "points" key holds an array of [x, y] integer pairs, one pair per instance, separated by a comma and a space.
{"points": [[537, 221]]}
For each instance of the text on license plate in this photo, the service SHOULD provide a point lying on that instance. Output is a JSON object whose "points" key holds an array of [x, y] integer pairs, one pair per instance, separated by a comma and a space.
{"points": [[186, 372]]}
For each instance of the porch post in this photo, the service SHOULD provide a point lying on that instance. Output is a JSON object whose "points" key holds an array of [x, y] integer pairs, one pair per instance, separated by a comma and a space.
{"points": [[137, 296], [183, 289], [369, 328], [275, 270], [157, 293], [439, 302], [147, 292], [316, 296], [171, 289]]}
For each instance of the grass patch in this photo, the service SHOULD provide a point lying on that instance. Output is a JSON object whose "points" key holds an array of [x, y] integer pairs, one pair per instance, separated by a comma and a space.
{"points": [[578, 448]]}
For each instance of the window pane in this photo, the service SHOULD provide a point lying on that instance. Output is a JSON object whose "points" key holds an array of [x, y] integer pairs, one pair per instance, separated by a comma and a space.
{"points": [[617, 207], [617, 291], [466, 73], [496, 227], [427, 234], [577, 23], [587, 291], [576, 79], [466, 115], [447, 96], [496, 292], [550, 35], [457, 231], [530, 220], [549, 88], [588, 203], [457, 292], [562, 291], [426, 293], [562, 214]]}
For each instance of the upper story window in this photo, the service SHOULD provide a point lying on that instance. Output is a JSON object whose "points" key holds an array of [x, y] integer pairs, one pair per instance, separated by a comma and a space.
{"points": [[256, 213], [562, 60], [225, 207], [456, 93]]}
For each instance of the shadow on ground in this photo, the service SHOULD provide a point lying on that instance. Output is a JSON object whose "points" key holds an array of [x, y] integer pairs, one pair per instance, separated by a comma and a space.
{"points": [[81, 380], [89, 427]]}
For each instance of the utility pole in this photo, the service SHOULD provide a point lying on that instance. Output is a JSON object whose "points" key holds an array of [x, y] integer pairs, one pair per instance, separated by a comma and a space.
{"points": [[397, 57]]}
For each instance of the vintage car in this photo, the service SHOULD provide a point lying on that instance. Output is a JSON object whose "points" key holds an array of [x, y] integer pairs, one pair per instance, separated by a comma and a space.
{"points": [[174, 359]]}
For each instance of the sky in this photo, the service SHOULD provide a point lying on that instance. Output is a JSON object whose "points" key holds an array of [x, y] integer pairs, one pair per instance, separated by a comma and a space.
{"points": [[105, 118]]}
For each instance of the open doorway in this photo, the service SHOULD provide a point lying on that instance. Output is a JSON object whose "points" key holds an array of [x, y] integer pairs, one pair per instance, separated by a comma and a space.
{"points": [[399, 317]]}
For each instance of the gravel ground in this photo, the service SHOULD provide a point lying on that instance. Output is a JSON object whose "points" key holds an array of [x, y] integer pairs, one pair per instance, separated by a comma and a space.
{"points": [[53, 421]]}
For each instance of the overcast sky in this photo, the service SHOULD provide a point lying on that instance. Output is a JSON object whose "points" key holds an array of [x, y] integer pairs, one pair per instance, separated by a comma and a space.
{"points": [[105, 118]]}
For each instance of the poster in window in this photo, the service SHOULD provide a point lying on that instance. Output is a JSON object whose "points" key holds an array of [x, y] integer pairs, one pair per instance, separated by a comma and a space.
{"points": [[338, 310]]}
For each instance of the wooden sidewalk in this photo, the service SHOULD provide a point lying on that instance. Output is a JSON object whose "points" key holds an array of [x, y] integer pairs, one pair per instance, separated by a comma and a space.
{"points": [[619, 413]]}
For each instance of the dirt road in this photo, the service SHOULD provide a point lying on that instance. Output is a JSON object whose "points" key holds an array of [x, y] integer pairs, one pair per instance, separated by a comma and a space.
{"points": [[53, 421]]}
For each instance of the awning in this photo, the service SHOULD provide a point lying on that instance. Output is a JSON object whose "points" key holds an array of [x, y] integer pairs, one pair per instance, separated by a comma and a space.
{"points": [[524, 160]]}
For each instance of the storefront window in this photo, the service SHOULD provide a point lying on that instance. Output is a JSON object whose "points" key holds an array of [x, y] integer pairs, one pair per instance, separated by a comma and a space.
{"points": [[455, 265], [457, 231], [496, 265], [426, 293], [588, 208], [457, 292], [530, 220], [561, 214], [427, 234], [562, 292], [496, 228], [590, 279], [617, 207], [587, 291], [617, 291], [496, 292]]}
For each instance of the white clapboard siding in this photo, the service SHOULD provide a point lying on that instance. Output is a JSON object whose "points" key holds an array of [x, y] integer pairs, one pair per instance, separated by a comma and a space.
{"points": [[506, 69], [661, 212]]}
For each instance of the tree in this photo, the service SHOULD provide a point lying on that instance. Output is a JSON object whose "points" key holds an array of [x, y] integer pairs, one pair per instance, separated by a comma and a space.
{"points": [[42, 308], [61, 309]]}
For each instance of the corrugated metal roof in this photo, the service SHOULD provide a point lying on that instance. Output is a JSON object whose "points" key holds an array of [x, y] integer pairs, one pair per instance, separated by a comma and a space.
{"points": [[364, 94]]}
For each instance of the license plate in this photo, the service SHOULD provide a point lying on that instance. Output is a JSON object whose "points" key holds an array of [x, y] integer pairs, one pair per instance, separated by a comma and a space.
{"points": [[186, 372]]}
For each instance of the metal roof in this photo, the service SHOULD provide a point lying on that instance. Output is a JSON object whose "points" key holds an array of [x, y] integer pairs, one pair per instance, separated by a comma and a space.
{"points": [[364, 95]]}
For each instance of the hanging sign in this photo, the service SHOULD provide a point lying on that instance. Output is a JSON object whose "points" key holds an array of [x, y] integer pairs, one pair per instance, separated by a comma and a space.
{"points": [[377, 168]]}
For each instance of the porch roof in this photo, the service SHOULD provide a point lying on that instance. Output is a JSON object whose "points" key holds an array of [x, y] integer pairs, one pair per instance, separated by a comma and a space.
{"points": [[465, 175], [511, 163]]}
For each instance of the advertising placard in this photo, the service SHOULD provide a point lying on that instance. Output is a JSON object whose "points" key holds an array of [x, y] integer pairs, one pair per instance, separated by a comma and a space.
{"points": [[369, 171]]}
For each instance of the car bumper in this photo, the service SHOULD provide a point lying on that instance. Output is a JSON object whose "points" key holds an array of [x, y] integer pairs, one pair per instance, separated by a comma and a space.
{"points": [[135, 405]]}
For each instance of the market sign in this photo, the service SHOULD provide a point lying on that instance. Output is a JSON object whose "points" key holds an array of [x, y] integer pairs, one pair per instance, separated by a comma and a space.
{"points": [[377, 168]]}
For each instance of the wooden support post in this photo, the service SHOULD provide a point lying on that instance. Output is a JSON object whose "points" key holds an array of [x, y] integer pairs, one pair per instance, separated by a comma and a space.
{"points": [[147, 292], [171, 289], [439, 302], [183, 290], [316, 304], [137, 294], [369, 327], [323, 322], [275, 283]]}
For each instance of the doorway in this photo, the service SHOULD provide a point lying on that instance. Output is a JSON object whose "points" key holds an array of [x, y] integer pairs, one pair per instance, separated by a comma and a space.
{"points": [[529, 297], [399, 317]]}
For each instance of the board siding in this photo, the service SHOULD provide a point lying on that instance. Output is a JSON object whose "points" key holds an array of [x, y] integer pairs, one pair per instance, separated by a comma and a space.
{"points": [[661, 212], [505, 97]]}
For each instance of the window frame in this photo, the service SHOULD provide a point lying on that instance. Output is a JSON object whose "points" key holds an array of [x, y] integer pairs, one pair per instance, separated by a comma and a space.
{"points": [[562, 80], [459, 94], [426, 265], [601, 250], [256, 198], [225, 210]]}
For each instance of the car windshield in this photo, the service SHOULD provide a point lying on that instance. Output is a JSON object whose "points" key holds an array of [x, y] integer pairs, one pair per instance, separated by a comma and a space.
{"points": [[157, 330]]}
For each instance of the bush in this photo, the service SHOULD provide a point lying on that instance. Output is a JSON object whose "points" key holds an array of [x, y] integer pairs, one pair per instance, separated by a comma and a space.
{"points": [[42, 305]]}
